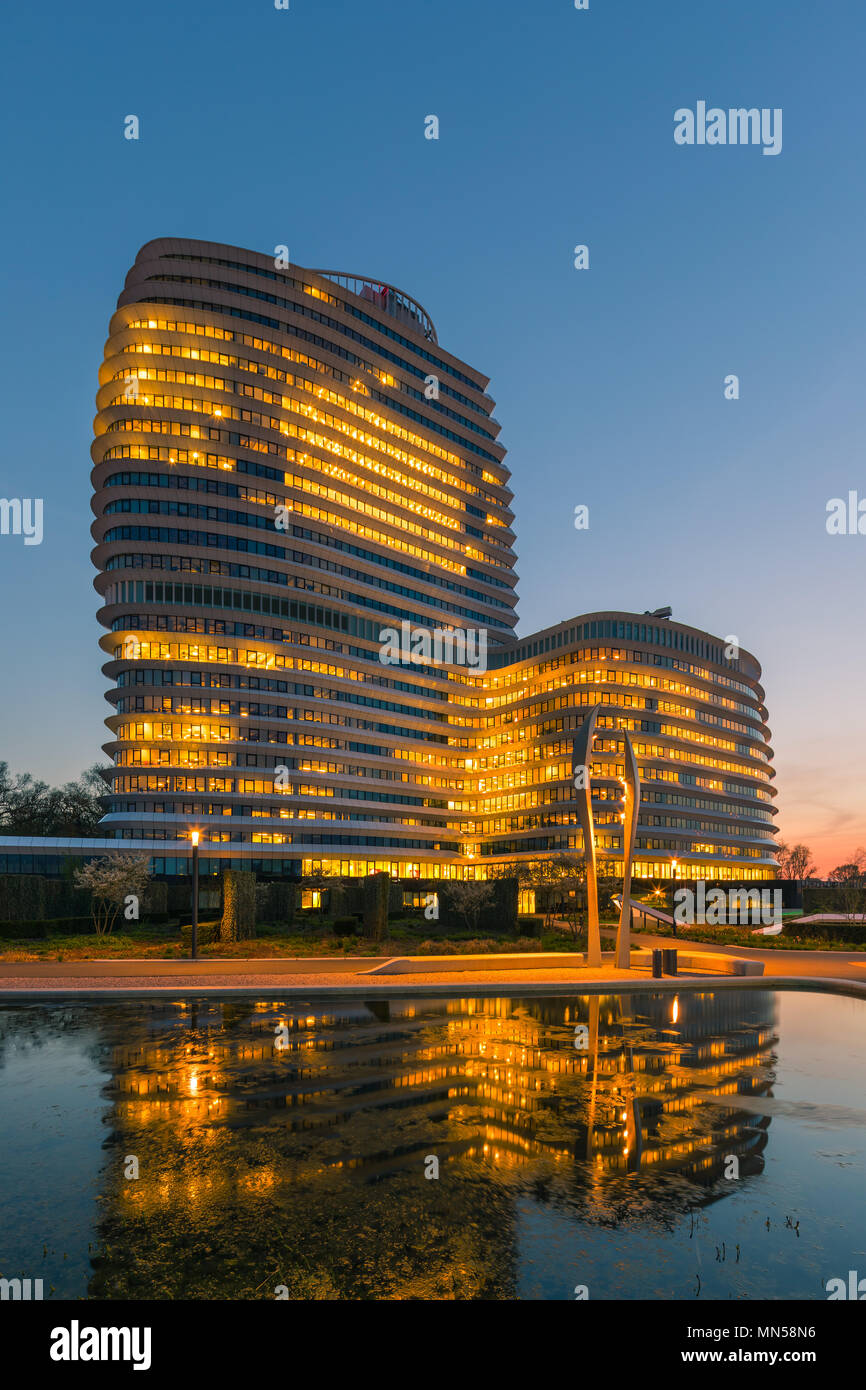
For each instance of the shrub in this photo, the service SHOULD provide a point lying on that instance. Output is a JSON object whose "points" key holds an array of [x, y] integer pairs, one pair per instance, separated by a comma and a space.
{"points": [[46, 926], [558, 941], [853, 932], [346, 924], [530, 926], [475, 946], [11, 931], [207, 933], [793, 937]]}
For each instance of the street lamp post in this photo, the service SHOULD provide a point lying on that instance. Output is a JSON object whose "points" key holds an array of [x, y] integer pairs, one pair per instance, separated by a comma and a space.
{"points": [[673, 895], [194, 836]]}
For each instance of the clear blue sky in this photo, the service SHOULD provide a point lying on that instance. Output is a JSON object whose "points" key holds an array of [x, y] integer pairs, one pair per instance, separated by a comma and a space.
{"points": [[306, 127]]}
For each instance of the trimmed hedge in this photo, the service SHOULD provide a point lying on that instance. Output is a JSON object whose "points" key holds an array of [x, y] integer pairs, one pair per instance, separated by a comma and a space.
{"points": [[29, 931], [855, 932], [207, 933], [827, 900], [154, 904], [42, 927], [336, 898], [178, 896], [377, 893], [63, 899], [276, 902], [22, 897], [239, 905]]}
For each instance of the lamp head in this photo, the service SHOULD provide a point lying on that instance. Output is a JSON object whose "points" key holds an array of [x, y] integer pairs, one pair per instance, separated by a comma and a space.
{"points": [[194, 835]]}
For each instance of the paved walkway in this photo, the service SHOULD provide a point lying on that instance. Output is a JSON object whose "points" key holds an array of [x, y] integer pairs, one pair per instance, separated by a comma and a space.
{"points": [[322, 977]]}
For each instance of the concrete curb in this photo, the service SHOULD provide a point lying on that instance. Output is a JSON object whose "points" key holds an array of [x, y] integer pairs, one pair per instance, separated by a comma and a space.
{"points": [[479, 990], [210, 965], [460, 965]]}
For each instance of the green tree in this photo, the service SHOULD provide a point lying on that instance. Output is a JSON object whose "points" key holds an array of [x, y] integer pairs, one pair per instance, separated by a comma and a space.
{"points": [[31, 807]]}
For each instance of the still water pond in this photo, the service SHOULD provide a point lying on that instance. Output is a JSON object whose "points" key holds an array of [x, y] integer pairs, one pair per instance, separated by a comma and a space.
{"points": [[708, 1147]]}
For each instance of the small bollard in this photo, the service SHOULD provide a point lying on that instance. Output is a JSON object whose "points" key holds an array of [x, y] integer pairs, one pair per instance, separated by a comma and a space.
{"points": [[669, 961], [657, 964]]}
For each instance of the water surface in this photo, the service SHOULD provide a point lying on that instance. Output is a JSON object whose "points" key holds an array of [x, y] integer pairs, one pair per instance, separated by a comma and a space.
{"points": [[711, 1146]]}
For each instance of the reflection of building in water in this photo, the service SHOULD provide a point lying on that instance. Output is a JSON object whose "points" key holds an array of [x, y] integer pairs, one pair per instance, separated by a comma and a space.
{"points": [[320, 1144], [644, 1092], [514, 1075]]}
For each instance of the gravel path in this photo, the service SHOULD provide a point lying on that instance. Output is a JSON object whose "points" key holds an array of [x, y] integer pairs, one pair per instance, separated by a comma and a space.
{"points": [[509, 980]]}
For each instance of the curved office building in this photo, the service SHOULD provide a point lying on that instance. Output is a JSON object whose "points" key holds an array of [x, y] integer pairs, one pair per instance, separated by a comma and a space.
{"points": [[305, 552]]}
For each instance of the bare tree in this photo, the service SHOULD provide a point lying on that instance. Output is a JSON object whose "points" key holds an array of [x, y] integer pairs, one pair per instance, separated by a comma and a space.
{"points": [[541, 875], [800, 862], [563, 871], [111, 881], [856, 869], [569, 872], [851, 880], [317, 883], [469, 899]]}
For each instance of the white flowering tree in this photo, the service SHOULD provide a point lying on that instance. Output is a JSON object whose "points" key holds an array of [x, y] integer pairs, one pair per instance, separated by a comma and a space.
{"points": [[112, 882]]}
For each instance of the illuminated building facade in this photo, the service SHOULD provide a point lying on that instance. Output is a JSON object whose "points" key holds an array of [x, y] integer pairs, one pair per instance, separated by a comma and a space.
{"points": [[286, 465]]}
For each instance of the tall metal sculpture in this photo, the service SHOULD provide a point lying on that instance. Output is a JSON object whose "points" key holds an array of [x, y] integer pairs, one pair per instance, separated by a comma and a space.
{"points": [[582, 757], [629, 834]]}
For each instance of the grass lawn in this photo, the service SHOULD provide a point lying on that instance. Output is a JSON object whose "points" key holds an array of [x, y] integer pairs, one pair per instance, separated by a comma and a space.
{"points": [[743, 936], [312, 938], [409, 937]]}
